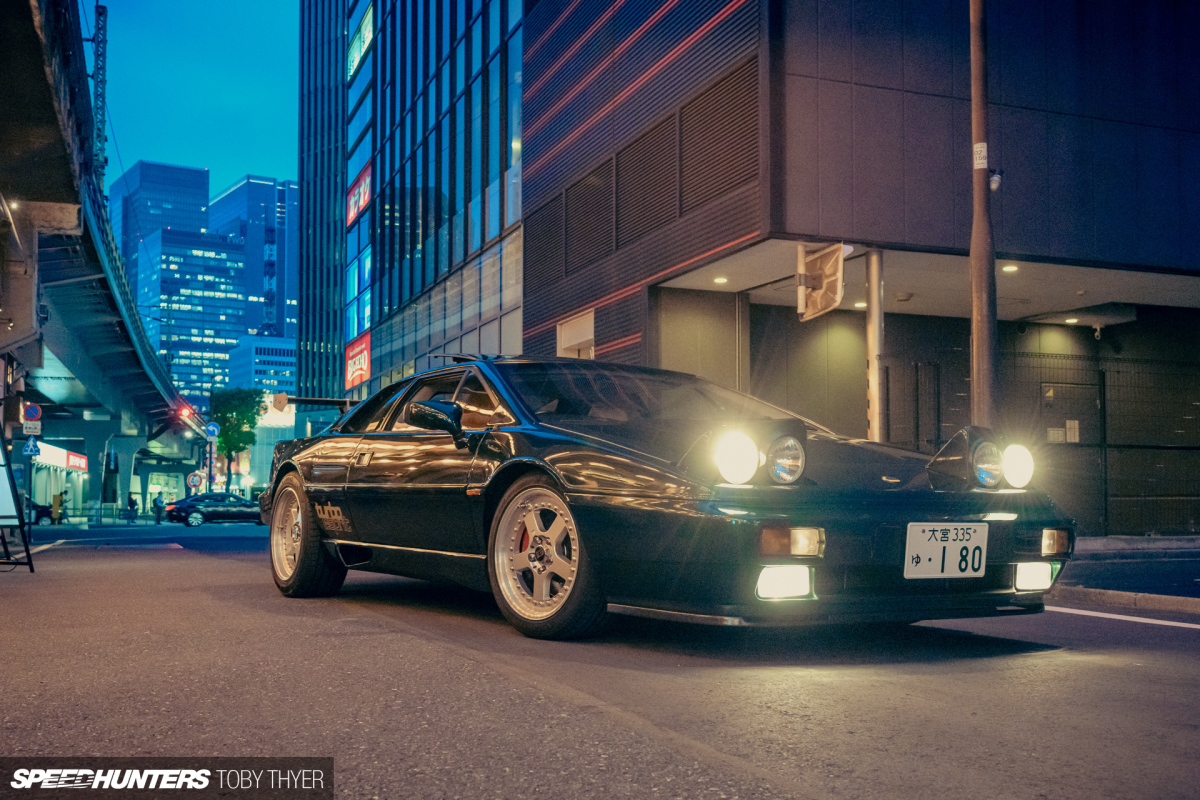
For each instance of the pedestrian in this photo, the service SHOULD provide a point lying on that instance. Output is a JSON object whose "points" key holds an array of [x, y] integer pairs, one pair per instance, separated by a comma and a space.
{"points": [[158, 508], [132, 509]]}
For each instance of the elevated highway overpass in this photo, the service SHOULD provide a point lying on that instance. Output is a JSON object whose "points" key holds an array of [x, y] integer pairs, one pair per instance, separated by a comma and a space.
{"points": [[70, 333]]}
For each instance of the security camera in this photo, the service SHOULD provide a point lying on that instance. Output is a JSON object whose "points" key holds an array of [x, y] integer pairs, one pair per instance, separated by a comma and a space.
{"points": [[997, 175]]}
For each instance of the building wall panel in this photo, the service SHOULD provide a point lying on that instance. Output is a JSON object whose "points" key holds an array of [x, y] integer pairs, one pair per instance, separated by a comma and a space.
{"points": [[878, 43], [878, 178]]}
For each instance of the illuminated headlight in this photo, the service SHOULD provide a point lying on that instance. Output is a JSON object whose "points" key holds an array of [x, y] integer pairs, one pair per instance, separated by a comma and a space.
{"points": [[988, 463], [785, 459], [1018, 466], [737, 457], [1055, 541], [780, 540], [1034, 576], [787, 581]]}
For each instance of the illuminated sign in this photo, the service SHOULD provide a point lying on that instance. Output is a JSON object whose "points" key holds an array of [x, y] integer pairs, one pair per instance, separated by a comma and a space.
{"points": [[358, 360], [360, 41], [52, 456], [359, 195]]}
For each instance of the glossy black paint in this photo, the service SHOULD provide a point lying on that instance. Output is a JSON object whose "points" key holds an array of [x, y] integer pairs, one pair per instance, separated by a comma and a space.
{"points": [[661, 529]]}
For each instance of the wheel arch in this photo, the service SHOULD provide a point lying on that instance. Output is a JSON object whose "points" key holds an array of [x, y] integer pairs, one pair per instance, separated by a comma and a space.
{"points": [[508, 474]]}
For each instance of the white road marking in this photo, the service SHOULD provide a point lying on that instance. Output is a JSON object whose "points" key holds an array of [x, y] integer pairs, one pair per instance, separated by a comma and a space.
{"points": [[40, 548], [1123, 617]]}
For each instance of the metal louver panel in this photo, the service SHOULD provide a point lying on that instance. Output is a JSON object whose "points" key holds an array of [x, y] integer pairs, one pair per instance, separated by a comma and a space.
{"points": [[544, 244], [646, 183], [719, 137], [590, 218]]}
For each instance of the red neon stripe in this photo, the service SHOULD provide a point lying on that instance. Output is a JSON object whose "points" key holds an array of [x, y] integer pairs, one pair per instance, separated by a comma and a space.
{"points": [[620, 294], [541, 121], [650, 73], [603, 18], [541, 40], [618, 344]]}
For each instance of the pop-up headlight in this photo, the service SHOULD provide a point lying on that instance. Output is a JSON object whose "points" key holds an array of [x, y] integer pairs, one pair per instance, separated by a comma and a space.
{"points": [[736, 456]]}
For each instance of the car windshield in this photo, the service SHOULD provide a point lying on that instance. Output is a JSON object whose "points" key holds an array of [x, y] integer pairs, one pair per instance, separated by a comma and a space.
{"points": [[587, 394]]}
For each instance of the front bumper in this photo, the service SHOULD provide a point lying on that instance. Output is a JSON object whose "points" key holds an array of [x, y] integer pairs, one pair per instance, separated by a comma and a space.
{"points": [[699, 561]]}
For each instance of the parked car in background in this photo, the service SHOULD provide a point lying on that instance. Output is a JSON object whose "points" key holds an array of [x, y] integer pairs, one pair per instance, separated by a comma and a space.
{"points": [[212, 507]]}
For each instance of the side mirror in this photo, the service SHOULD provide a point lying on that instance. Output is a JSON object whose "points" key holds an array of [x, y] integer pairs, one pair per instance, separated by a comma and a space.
{"points": [[437, 415]]}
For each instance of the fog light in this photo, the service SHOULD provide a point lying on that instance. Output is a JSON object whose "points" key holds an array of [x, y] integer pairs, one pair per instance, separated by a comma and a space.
{"points": [[785, 581], [778, 540], [1034, 577], [1055, 541]]}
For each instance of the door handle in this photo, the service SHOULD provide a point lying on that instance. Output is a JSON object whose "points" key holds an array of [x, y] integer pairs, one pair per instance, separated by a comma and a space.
{"points": [[363, 459]]}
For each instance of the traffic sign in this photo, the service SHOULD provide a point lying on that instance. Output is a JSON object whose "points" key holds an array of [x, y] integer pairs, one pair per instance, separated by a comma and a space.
{"points": [[212, 429], [32, 427], [195, 479], [33, 412], [31, 447]]}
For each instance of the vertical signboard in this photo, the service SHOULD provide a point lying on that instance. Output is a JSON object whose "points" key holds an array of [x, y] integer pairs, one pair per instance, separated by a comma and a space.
{"points": [[358, 360], [359, 195]]}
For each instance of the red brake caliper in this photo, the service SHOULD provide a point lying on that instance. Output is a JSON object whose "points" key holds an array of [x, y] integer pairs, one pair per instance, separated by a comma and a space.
{"points": [[524, 543]]}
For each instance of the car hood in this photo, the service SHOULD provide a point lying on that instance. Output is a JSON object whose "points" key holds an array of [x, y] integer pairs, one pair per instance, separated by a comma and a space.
{"points": [[832, 462]]}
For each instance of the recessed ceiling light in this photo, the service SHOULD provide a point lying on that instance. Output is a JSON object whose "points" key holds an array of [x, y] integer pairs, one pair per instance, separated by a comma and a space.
{"points": [[1072, 321], [860, 304], [720, 280], [1010, 268]]}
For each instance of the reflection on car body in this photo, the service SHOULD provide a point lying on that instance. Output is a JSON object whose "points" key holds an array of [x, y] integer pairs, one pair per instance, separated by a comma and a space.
{"points": [[576, 489]]}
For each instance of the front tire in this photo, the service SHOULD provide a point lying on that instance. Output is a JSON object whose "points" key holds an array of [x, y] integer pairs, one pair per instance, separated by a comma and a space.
{"points": [[539, 570], [300, 564]]}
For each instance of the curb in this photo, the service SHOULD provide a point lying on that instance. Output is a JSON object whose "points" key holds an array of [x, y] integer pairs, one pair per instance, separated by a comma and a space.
{"points": [[1101, 544], [1109, 597]]}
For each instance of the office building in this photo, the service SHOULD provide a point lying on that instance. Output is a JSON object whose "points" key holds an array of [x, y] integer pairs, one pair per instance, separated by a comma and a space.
{"points": [[264, 214], [682, 159], [264, 362], [655, 173], [196, 296], [150, 197], [412, 190]]}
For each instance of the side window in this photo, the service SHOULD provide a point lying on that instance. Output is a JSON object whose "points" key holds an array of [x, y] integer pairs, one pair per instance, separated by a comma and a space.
{"points": [[373, 411], [435, 387], [477, 403]]}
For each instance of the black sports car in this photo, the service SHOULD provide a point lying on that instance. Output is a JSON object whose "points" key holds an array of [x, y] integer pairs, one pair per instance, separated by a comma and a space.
{"points": [[212, 507], [576, 489]]}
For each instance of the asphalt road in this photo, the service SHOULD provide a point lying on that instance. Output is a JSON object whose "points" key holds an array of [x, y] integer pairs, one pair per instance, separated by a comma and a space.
{"points": [[423, 691]]}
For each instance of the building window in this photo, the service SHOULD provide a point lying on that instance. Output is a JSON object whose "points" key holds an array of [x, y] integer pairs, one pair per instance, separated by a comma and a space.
{"points": [[577, 336]]}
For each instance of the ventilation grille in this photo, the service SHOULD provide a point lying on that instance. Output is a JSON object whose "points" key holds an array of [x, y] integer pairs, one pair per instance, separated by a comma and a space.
{"points": [[719, 132], [544, 244], [646, 183], [590, 218]]}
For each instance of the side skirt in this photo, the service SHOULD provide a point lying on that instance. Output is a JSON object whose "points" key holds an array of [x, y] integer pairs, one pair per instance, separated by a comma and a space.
{"points": [[464, 569]]}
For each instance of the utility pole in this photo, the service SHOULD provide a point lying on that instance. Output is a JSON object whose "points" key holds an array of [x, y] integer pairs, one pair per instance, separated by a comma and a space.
{"points": [[984, 348]]}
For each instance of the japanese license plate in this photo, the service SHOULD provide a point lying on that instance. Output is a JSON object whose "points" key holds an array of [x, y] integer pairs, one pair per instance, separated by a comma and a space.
{"points": [[946, 550]]}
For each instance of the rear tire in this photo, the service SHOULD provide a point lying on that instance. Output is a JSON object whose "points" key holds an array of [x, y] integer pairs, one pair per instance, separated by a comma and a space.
{"points": [[300, 564], [194, 520], [540, 574]]}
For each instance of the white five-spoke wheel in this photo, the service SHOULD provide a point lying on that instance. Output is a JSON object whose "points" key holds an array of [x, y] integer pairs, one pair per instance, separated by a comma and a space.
{"points": [[300, 562], [285, 533], [538, 568]]}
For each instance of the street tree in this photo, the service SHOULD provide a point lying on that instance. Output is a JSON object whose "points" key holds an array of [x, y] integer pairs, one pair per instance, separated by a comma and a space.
{"points": [[237, 411]]}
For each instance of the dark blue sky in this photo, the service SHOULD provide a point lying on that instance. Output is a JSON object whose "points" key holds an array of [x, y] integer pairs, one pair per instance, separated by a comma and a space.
{"points": [[203, 83]]}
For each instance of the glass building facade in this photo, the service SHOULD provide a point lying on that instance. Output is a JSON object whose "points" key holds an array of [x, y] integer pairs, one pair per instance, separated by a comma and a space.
{"points": [[197, 301], [430, 209], [152, 196], [264, 362], [264, 213]]}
